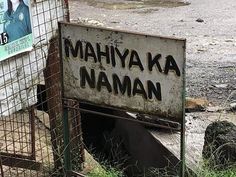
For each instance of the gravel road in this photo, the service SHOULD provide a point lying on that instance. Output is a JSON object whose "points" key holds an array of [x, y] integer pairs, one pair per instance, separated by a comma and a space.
{"points": [[209, 27]]}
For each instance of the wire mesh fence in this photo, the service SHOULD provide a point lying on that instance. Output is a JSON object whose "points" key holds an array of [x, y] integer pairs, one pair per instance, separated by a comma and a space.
{"points": [[34, 140]]}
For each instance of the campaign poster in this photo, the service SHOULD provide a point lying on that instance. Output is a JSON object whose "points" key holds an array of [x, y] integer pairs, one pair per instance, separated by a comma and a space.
{"points": [[15, 28]]}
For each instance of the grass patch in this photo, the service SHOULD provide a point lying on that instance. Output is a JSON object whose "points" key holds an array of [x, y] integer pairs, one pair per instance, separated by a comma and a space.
{"points": [[208, 172], [102, 171]]}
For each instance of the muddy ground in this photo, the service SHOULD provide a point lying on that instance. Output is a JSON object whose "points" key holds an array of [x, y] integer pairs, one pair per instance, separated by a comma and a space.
{"points": [[209, 27]]}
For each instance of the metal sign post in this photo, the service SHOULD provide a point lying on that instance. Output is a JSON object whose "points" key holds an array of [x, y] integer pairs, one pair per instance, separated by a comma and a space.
{"points": [[127, 71]]}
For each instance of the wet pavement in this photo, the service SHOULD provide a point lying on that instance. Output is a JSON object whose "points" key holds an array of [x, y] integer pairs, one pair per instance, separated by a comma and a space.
{"points": [[210, 30]]}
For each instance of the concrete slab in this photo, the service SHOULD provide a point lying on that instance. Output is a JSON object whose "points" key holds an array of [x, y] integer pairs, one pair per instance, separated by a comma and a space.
{"points": [[196, 124]]}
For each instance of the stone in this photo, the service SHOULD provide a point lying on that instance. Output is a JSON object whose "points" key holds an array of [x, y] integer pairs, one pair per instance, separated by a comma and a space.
{"points": [[88, 21], [220, 144], [214, 109], [233, 106], [221, 85], [201, 50], [199, 20], [229, 40], [195, 104]]}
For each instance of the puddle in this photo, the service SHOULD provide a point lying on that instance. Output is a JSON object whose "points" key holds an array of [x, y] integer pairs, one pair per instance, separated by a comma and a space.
{"points": [[134, 4]]}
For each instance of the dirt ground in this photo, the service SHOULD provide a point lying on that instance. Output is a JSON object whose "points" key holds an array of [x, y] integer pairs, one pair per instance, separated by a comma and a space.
{"points": [[210, 30]]}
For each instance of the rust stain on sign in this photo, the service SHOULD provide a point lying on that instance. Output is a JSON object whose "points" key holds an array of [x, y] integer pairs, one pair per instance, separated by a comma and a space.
{"points": [[125, 70]]}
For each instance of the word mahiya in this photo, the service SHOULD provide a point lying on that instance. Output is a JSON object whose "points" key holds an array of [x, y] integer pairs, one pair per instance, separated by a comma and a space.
{"points": [[112, 56]]}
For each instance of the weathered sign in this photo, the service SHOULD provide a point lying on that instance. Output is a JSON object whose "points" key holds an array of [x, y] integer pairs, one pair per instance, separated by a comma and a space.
{"points": [[135, 72]]}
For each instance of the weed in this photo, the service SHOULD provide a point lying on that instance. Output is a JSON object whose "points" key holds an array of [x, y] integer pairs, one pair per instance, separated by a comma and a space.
{"points": [[208, 171], [103, 171]]}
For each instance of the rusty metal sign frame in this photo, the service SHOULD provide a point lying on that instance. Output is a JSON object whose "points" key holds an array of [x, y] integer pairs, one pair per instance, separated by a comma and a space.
{"points": [[181, 128]]}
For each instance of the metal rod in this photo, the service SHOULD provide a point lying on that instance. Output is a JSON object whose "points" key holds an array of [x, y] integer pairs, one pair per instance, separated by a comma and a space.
{"points": [[119, 109], [67, 162], [79, 126], [182, 136], [32, 127], [182, 150], [74, 173], [2, 173], [19, 156], [129, 119], [21, 163]]}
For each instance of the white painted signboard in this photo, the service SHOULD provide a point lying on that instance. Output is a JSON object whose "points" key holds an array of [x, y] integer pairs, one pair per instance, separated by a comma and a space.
{"points": [[134, 72]]}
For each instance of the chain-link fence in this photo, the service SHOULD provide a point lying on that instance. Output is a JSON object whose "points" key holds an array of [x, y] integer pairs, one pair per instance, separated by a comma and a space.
{"points": [[36, 137]]}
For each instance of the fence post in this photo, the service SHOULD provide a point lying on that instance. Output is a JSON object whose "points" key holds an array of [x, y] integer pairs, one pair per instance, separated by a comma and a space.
{"points": [[66, 134]]}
